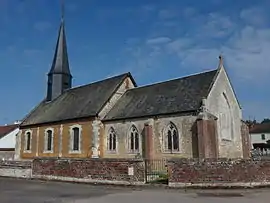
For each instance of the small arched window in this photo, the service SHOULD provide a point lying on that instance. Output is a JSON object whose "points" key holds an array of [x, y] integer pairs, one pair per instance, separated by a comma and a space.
{"points": [[28, 141], [134, 140], [76, 139], [111, 140], [49, 140], [171, 138]]}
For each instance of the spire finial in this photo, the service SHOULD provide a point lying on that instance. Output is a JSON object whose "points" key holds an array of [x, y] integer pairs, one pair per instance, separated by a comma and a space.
{"points": [[62, 10], [220, 61]]}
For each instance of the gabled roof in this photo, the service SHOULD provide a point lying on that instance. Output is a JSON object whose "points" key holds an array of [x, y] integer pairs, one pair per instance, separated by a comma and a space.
{"points": [[174, 96], [260, 128], [80, 102], [4, 130]]}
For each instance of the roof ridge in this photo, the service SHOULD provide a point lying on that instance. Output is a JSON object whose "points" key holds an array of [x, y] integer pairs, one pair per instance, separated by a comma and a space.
{"points": [[9, 125], [113, 77], [174, 79]]}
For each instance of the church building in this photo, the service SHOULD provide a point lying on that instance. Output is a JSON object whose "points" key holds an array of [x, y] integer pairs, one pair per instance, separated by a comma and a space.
{"points": [[193, 116]]}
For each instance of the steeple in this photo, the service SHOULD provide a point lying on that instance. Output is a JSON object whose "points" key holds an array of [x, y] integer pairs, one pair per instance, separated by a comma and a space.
{"points": [[59, 77]]}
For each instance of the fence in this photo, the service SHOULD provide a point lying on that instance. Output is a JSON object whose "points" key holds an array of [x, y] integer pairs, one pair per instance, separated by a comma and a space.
{"points": [[156, 171], [260, 153]]}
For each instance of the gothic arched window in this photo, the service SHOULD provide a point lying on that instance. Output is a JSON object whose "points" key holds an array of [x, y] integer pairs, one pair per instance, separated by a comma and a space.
{"points": [[171, 138], [133, 141], [111, 140], [225, 119]]}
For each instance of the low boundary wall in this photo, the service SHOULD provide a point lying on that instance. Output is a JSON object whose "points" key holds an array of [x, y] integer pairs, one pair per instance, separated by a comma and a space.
{"points": [[218, 173], [110, 171], [16, 169], [182, 173]]}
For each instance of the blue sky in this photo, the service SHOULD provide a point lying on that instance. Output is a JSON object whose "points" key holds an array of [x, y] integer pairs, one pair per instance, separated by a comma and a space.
{"points": [[154, 40]]}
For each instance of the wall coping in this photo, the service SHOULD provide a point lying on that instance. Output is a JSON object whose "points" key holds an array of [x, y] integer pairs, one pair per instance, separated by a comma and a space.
{"points": [[90, 159], [215, 160]]}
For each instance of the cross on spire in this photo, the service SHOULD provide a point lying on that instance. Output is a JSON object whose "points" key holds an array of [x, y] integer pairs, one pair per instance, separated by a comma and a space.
{"points": [[220, 61], [62, 10]]}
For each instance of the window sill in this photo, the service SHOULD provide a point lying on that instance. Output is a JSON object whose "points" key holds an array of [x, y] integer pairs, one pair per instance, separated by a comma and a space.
{"points": [[111, 152], [75, 152], [172, 152], [226, 140], [47, 152], [27, 151], [134, 152]]}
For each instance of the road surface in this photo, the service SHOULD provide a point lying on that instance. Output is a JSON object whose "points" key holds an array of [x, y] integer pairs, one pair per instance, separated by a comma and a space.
{"points": [[30, 191]]}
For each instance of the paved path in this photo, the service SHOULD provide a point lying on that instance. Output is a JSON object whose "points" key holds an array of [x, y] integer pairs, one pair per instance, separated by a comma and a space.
{"points": [[24, 191]]}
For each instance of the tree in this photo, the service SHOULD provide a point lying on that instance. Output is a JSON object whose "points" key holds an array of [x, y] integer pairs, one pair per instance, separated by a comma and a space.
{"points": [[250, 122], [266, 120]]}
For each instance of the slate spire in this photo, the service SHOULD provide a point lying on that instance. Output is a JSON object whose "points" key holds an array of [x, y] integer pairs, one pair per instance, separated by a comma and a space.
{"points": [[59, 77]]}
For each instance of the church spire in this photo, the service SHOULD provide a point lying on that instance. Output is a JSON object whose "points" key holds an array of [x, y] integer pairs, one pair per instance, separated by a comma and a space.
{"points": [[59, 77]]}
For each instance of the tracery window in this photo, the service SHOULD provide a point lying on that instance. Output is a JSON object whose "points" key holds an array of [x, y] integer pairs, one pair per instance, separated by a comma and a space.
{"points": [[171, 138], [134, 140], [111, 140]]}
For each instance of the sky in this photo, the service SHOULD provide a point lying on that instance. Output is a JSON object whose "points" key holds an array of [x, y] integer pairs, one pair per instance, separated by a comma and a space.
{"points": [[155, 40]]}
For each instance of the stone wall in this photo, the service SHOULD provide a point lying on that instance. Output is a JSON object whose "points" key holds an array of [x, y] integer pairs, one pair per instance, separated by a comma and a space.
{"points": [[17, 169], [221, 102], [207, 138], [218, 173], [186, 127], [115, 171], [245, 141], [6, 155]]}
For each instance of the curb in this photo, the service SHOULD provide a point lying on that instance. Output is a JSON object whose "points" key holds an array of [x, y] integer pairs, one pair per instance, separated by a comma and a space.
{"points": [[148, 186]]}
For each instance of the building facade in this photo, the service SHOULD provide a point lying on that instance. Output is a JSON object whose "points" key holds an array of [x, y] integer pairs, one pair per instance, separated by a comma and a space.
{"points": [[192, 116], [8, 134], [260, 136]]}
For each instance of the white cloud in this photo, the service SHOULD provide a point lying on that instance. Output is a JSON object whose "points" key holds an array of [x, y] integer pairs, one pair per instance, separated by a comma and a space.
{"points": [[158, 40], [240, 37], [217, 25]]}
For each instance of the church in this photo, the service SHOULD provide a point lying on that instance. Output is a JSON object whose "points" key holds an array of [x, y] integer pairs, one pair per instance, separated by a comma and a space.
{"points": [[196, 116]]}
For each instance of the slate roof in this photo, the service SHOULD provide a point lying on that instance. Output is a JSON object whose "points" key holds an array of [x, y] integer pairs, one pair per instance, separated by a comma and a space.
{"points": [[4, 130], [60, 60], [80, 102], [260, 128], [174, 96]]}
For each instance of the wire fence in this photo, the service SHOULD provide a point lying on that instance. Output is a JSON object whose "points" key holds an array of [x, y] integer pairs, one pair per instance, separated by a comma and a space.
{"points": [[260, 153]]}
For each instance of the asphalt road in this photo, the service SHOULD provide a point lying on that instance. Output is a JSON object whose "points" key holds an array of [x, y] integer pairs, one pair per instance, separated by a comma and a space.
{"points": [[29, 191]]}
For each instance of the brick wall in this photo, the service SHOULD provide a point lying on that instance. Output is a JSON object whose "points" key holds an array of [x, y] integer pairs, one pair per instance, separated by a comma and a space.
{"points": [[207, 138], [18, 169], [221, 173], [90, 170]]}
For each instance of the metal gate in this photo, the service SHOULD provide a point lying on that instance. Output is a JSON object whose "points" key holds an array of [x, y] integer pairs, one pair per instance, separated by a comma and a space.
{"points": [[156, 171]]}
